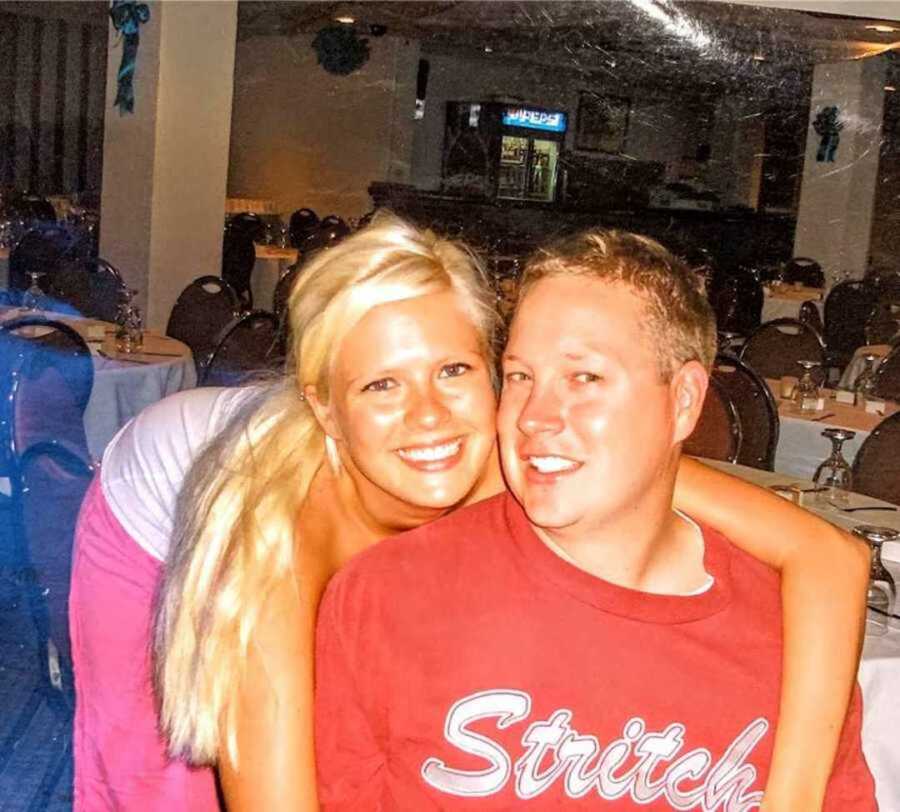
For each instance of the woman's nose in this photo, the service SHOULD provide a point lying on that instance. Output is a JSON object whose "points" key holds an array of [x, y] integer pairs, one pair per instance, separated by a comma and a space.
{"points": [[428, 409]]}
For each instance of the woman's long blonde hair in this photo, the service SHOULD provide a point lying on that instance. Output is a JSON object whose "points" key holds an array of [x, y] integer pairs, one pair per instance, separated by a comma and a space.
{"points": [[235, 518]]}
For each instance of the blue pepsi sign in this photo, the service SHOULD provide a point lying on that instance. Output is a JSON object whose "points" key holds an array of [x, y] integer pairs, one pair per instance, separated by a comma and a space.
{"points": [[547, 120]]}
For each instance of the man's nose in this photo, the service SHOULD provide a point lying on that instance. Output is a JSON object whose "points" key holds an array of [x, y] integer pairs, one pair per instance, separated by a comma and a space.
{"points": [[542, 412]]}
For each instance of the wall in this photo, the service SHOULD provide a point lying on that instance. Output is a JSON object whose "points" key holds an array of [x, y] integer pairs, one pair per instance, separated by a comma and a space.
{"points": [[52, 91], [303, 137], [657, 128]]}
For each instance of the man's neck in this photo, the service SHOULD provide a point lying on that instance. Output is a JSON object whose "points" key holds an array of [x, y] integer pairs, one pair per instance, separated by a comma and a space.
{"points": [[645, 546]]}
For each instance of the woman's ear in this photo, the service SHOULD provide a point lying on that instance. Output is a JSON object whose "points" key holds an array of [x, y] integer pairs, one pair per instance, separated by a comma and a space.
{"points": [[689, 385], [321, 411]]}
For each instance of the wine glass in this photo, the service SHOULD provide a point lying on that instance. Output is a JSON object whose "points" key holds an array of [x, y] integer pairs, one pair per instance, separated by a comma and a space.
{"points": [[882, 594], [34, 296], [807, 392], [834, 474], [864, 386]]}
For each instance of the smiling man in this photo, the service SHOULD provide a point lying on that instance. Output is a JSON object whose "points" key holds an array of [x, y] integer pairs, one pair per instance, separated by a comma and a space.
{"points": [[577, 643]]}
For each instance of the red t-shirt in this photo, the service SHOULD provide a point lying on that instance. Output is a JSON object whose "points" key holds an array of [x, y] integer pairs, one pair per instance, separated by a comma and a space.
{"points": [[466, 665]]}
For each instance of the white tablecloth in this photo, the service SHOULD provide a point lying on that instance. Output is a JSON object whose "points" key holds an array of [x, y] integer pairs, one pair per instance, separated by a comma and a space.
{"points": [[784, 302], [879, 670], [271, 263], [801, 446], [123, 387]]}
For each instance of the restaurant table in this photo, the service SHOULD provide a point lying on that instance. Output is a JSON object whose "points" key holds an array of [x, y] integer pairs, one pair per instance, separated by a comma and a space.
{"points": [[857, 364], [801, 446], [879, 670], [783, 301], [271, 263], [124, 384]]}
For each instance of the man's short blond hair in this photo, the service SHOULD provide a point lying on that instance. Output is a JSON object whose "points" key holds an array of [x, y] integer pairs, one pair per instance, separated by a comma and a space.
{"points": [[679, 321]]}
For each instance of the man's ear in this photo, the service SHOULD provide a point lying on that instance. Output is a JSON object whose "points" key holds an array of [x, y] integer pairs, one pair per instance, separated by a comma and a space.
{"points": [[689, 385], [321, 411]]}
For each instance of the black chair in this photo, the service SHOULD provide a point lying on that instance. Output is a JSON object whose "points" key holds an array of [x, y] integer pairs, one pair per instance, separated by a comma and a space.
{"points": [[756, 408], [198, 316], [776, 347], [717, 434], [848, 307], [52, 481], [876, 468], [41, 250], [737, 301], [888, 286], [804, 270], [887, 376], [303, 222], [883, 326], [238, 258], [283, 289], [245, 347], [249, 224], [809, 314]]}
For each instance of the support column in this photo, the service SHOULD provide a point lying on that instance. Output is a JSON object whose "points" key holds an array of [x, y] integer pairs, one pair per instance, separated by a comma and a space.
{"points": [[165, 166], [834, 221]]}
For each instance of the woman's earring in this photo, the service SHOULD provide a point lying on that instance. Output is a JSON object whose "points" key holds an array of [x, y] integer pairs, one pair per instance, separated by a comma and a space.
{"points": [[331, 451]]}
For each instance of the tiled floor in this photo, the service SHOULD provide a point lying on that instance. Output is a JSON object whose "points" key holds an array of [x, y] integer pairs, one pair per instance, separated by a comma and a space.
{"points": [[35, 717]]}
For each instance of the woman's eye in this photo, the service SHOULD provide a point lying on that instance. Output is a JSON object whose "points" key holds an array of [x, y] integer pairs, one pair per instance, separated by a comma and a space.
{"points": [[381, 385], [587, 377], [515, 377], [454, 370]]}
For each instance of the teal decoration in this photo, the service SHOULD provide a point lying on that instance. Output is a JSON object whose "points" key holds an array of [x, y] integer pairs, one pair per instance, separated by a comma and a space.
{"points": [[340, 50], [127, 17], [828, 127]]}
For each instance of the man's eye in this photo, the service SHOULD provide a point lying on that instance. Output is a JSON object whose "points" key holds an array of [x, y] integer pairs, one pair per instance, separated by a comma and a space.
{"points": [[454, 370], [587, 377], [381, 385]]}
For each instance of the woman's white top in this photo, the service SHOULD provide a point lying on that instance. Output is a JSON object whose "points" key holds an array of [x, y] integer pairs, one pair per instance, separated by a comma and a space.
{"points": [[145, 464]]}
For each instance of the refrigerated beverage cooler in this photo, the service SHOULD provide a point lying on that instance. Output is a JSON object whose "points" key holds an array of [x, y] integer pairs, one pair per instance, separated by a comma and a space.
{"points": [[503, 151]]}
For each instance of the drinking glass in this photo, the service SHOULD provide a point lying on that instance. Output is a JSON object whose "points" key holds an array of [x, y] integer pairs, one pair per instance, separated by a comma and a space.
{"points": [[864, 386], [806, 394], [882, 594], [129, 325], [834, 474], [33, 298]]}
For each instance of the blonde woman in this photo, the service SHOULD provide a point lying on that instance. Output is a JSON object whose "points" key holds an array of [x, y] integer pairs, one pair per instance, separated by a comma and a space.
{"points": [[385, 422]]}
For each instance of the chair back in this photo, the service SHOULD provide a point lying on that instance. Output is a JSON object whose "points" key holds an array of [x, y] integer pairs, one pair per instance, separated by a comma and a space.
{"points": [[248, 224], [776, 347], [53, 479], [887, 376], [876, 468], [756, 408], [883, 326], [201, 311], [302, 223], [848, 308], [283, 289], [809, 314], [889, 287], [238, 258], [51, 378], [717, 434], [41, 250], [245, 347], [804, 270], [737, 302]]}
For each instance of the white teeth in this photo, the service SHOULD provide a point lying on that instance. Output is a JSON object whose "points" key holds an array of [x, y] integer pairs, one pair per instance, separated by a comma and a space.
{"points": [[551, 465], [432, 453]]}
